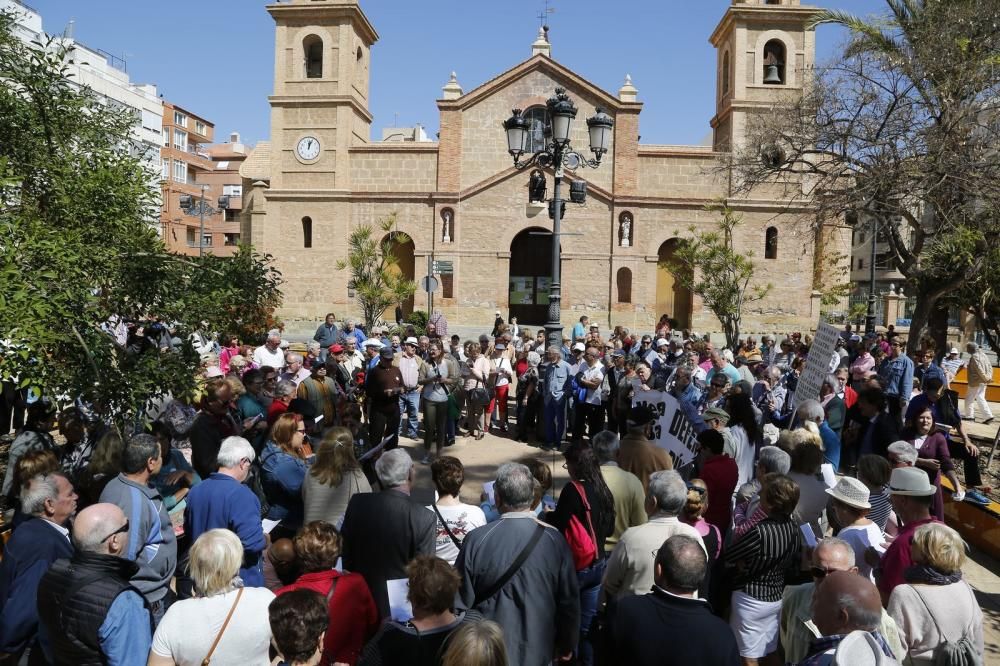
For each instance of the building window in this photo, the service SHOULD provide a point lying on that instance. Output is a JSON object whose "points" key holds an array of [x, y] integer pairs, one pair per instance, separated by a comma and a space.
{"points": [[232, 240], [861, 263], [206, 240], [192, 237], [166, 170], [180, 140], [312, 47], [166, 137], [232, 215], [448, 285], [307, 232], [200, 128], [884, 262], [232, 190], [774, 62], [540, 130], [725, 73], [180, 119], [180, 171], [624, 279], [771, 243]]}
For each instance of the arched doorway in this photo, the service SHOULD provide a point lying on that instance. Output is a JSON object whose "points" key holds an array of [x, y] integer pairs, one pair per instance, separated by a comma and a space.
{"points": [[671, 298], [530, 276], [405, 265]]}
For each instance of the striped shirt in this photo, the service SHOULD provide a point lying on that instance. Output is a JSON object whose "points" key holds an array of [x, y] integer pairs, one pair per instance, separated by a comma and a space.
{"points": [[763, 556], [881, 507]]}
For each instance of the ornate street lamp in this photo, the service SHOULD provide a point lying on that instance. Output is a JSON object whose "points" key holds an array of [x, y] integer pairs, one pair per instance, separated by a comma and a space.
{"points": [[557, 154]]}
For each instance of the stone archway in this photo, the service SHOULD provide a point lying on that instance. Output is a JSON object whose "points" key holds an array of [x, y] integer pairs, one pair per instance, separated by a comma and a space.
{"points": [[530, 276], [672, 299], [406, 265]]}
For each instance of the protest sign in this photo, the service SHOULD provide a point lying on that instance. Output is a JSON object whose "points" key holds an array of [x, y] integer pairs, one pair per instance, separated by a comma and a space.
{"points": [[671, 429], [817, 363]]}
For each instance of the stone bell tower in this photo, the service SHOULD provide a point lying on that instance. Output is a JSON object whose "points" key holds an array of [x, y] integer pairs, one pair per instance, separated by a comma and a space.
{"points": [[319, 108], [765, 52]]}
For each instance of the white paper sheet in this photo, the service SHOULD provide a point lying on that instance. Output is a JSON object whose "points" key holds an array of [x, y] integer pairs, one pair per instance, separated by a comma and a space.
{"points": [[829, 476], [808, 535], [488, 489], [268, 525], [399, 605]]}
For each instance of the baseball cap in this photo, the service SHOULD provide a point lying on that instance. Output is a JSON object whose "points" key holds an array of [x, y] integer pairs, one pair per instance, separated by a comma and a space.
{"points": [[386, 352], [336, 349], [579, 347], [716, 413], [662, 342]]}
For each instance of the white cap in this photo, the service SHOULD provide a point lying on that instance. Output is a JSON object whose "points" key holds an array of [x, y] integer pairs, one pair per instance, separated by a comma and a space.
{"points": [[662, 342], [372, 342], [410, 341], [580, 346]]}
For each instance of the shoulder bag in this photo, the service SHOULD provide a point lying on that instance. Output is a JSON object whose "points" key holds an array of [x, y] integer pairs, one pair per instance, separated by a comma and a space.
{"points": [[454, 539], [952, 653], [515, 565], [582, 540], [208, 657]]}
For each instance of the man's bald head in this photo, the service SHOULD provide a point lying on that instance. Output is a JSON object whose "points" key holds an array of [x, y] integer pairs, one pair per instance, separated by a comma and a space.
{"points": [[282, 550], [94, 526], [846, 602]]}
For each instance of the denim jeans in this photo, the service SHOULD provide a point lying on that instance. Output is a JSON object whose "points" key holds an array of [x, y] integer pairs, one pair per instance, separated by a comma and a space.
{"points": [[589, 581], [409, 407], [555, 421]]}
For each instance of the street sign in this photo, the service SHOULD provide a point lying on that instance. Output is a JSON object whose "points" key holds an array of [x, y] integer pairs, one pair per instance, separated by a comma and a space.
{"points": [[444, 267], [429, 284]]}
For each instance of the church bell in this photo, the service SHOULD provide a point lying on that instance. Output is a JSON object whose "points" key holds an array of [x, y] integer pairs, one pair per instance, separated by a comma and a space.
{"points": [[771, 73]]}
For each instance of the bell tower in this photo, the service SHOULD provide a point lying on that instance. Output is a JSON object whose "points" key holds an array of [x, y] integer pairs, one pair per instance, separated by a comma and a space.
{"points": [[765, 52], [319, 108]]}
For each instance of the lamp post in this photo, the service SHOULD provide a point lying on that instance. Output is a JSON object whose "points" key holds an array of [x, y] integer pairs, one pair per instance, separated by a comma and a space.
{"points": [[870, 313], [203, 209], [557, 153]]}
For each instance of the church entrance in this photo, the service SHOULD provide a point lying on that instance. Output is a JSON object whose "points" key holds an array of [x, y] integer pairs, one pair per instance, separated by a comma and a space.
{"points": [[672, 299], [530, 276], [405, 264]]}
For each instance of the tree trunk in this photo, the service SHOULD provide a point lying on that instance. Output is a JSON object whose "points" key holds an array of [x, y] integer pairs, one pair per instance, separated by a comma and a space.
{"points": [[918, 322], [937, 327]]}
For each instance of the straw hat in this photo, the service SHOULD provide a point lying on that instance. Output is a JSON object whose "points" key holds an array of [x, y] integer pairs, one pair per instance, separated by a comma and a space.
{"points": [[851, 492]]}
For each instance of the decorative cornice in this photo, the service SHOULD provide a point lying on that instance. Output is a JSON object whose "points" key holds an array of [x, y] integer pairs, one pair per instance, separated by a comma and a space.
{"points": [[773, 15], [321, 13], [320, 100]]}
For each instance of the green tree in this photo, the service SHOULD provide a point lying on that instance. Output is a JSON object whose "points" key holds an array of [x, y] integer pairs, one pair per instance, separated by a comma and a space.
{"points": [[374, 269], [709, 265], [902, 129], [79, 255]]}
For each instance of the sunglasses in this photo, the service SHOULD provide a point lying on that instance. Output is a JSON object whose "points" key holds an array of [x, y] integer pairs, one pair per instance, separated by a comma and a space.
{"points": [[697, 489], [121, 530], [819, 573]]}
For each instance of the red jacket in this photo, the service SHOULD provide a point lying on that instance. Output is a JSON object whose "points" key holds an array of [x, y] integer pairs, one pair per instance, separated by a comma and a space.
{"points": [[720, 474], [353, 616]]}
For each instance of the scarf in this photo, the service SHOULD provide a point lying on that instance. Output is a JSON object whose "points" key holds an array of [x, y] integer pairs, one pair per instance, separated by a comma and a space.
{"points": [[930, 576]]}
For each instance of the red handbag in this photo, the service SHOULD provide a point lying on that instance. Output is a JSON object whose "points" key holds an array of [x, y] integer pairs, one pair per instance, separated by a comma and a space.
{"points": [[582, 540]]}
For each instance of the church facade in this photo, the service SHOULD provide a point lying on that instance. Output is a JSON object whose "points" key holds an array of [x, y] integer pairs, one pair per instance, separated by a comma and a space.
{"points": [[460, 200]]}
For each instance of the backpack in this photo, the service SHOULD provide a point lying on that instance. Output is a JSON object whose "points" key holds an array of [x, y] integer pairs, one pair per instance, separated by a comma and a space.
{"points": [[582, 540], [953, 653]]}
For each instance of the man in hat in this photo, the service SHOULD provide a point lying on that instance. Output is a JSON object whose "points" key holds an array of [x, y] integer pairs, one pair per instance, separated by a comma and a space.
{"points": [[951, 364], [636, 453], [384, 385], [372, 347], [912, 495], [323, 393], [409, 365]]}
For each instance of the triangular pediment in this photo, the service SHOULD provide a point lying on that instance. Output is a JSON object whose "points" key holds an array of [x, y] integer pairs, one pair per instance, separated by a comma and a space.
{"points": [[537, 63]]}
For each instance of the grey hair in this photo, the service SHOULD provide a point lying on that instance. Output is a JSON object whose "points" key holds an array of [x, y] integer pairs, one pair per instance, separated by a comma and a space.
{"points": [[810, 410], [667, 487], [214, 561], [314, 345], [606, 446], [858, 616], [534, 359], [293, 357], [774, 372], [554, 348], [138, 451], [232, 451], [835, 542], [393, 468], [283, 388], [273, 333], [39, 488], [516, 486], [774, 461], [683, 562], [972, 347], [832, 381], [904, 452]]}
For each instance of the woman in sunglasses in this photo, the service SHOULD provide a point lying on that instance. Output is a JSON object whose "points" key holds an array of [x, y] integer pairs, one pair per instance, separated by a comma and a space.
{"points": [[283, 470]]}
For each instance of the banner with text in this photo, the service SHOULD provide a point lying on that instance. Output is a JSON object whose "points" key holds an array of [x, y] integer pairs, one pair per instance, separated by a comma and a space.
{"points": [[817, 363], [671, 429]]}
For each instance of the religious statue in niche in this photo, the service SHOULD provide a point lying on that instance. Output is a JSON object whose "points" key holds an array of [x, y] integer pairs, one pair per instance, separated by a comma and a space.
{"points": [[446, 216], [536, 186], [625, 230]]}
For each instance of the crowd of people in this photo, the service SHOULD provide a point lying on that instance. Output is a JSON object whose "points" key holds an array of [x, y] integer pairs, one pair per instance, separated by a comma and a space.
{"points": [[272, 519]]}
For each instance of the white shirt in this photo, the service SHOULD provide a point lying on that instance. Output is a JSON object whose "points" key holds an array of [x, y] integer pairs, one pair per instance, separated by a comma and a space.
{"points": [[263, 356], [593, 374], [503, 364], [461, 519], [190, 626], [297, 378], [860, 537]]}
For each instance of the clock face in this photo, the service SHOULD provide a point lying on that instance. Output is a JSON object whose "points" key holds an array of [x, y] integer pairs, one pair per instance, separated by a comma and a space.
{"points": [[307, 148]]}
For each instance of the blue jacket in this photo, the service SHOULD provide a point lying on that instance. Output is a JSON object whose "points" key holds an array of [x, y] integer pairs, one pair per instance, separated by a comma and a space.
{"points": [[898, 375], [831, 445], [555, 383], [222, 502], [358, 334], [32, 548], [282, 477]]}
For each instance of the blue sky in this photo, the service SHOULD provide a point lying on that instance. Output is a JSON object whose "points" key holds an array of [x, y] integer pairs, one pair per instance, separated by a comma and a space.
{"points": [[215, 56]]}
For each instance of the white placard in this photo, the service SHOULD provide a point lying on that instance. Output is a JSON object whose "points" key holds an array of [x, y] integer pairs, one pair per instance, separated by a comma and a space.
{"points": [[817, 363], [268, 525], [399, 605], [829, 476], [671, 429], [808, 535]]}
